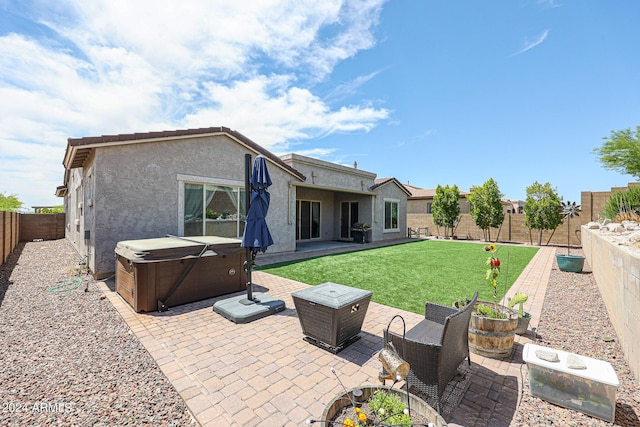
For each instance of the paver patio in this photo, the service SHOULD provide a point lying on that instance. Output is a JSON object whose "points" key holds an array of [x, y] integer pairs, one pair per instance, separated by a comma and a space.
{"points": [[263, 374]]}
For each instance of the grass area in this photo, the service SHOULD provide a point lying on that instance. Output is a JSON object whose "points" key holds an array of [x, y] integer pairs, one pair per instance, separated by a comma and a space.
{"points": [[406, 276]]}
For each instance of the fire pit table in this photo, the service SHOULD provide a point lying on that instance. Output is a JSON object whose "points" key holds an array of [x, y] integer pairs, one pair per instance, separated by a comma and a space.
{"points": [[331, 315]]}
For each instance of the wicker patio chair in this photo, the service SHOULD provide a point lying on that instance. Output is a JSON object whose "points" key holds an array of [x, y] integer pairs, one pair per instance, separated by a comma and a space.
{"points": [[435, 347]]}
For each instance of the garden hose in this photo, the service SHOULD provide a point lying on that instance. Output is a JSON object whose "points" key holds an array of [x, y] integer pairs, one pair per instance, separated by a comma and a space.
{"points": [[73, 284]]}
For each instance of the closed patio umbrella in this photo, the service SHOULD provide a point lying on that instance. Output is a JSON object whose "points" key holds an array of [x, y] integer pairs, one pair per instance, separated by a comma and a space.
{"points": [[256, 237]]}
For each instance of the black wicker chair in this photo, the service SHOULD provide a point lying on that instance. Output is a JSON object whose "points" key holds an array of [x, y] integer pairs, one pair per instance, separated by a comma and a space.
{"points": [[435, 347]]}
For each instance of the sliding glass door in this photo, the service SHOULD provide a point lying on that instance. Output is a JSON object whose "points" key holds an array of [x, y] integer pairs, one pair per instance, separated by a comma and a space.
{"points": [[307, 220], [348, 217]]}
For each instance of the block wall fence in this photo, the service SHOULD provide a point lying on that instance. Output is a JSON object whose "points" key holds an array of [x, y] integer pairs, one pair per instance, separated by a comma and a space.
{"points": [[514, 230], [16, 227]]}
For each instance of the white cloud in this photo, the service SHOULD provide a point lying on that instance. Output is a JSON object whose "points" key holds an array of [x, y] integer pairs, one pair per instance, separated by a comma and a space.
{"points": [[349, 88], [530, 44], [318, 153], [116, 67], [549, 3], [275, 114]]}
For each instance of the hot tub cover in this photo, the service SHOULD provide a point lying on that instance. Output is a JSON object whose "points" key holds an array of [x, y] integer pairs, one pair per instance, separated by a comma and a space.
{"points": [[170, 248]]}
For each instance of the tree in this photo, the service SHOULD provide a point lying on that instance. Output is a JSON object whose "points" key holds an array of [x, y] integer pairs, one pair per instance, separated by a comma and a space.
{"points": [[446, 207], [621, 152], [542, 208], [52, 210], [9, 203], [486, 207]]}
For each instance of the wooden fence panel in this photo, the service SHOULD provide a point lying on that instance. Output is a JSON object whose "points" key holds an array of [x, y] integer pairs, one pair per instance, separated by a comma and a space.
{"points": [[3, 256], [15, 230], [6, 235]]}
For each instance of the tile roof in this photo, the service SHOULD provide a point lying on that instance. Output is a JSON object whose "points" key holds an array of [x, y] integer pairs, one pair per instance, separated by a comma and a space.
{"points": [[79, 149]]}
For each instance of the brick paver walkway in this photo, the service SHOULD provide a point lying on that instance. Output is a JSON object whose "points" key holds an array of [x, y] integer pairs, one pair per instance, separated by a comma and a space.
{"points": [[263, 374]]}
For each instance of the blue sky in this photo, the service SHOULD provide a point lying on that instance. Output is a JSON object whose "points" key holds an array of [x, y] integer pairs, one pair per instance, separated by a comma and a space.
{"points": [[430, 92]]}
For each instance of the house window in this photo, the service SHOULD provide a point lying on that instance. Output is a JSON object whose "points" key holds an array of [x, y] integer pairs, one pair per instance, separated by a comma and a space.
{"points": [[429, 206], [391, 215], [213, 210]]}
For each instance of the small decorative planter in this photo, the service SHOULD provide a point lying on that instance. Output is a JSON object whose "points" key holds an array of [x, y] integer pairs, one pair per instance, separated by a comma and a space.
{"points": [[523, 324], [417, 405], [570, 263]]}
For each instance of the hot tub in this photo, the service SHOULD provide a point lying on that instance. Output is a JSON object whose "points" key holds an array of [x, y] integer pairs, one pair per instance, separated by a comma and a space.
{"points": [[155, 274]]}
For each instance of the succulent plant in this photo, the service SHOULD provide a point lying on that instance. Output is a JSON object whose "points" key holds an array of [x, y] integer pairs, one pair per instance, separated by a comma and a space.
{"points": [[520, 299]]}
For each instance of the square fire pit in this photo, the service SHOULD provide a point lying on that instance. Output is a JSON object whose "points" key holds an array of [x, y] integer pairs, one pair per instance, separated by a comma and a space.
{"points": [[331, 315]]}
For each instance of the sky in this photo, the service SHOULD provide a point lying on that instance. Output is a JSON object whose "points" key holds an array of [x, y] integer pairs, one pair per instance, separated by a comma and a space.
{"points": [[429, 92]]}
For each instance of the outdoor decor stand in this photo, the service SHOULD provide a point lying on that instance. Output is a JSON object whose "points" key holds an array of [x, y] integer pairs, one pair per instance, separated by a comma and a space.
{"points": [[394, 367], [244, 309]]}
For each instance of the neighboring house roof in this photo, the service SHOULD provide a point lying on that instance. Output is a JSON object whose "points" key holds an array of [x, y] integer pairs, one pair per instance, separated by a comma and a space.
{"points": [[79, 149], [427, 193], [382, 181]]}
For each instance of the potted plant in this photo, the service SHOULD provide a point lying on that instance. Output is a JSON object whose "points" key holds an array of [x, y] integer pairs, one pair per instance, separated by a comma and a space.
{"points": [[378, 405], [492, 326], [568, 262], [523, 316]]}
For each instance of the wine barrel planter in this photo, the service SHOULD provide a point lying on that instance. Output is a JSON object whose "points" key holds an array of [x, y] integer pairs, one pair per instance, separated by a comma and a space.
{"points": [[492, 338], [418, 406]]}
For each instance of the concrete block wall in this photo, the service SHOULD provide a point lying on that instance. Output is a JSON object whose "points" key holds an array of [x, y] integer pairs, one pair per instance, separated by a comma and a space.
{"points": [[593, 202], [616, 269], [512, 230]]}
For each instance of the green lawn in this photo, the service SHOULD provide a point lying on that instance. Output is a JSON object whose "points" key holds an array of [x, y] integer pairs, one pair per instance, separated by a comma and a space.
{"points": [[406, 276]]}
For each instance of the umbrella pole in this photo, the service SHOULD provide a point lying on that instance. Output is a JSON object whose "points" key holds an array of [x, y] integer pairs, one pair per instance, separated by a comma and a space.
{"points": [[247, 198]]}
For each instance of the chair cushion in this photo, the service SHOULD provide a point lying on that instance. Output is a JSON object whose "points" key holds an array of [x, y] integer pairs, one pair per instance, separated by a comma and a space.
{"points": [[426, 332]]}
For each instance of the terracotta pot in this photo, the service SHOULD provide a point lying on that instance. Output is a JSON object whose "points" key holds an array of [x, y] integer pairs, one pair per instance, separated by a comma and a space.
{"points": [[417, 405]]}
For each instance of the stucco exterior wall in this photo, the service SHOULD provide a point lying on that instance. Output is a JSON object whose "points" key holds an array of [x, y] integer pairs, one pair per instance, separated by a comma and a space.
{"points": [[389, 191], [137, 188], [324, 174], [616, 269]]}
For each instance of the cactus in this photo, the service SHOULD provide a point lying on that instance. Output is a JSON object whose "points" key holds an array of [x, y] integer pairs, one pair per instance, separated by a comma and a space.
{"points": [[518, 299]]}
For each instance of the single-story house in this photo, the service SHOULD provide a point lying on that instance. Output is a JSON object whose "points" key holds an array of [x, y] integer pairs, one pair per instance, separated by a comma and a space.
{"points": [[191, 182]]}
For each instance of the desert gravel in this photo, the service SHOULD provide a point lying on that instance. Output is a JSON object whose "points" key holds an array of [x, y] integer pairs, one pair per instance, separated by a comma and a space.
{"points": [[574, 319], [68, 358]]}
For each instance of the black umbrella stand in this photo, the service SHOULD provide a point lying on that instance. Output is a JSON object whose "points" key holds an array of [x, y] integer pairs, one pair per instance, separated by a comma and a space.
{"points": [[252, 306]]}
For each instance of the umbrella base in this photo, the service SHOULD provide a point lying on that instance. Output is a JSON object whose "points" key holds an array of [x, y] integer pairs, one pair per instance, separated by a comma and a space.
{"points": [[241, 310]]}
